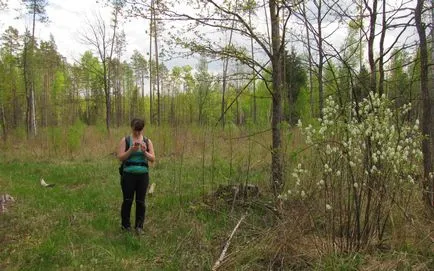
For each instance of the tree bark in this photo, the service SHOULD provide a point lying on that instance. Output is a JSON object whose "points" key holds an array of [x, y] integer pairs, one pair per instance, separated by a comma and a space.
{"points": [[320, 60], [3, 119], [277, 78], [151, 87], [309, 51], [27, 85], [381, 57], [432, 85], [157, 70], [253, 72], [426, 105], [32, 77], [373, 19], [107, 96]]}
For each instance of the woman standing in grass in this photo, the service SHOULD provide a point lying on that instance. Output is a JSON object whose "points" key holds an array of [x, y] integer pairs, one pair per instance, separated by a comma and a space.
{"points": [[135, 151]]}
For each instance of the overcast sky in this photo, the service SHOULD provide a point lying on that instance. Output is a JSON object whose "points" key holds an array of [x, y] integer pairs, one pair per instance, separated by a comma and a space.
{"points": [[67, 19], [66, 22]]}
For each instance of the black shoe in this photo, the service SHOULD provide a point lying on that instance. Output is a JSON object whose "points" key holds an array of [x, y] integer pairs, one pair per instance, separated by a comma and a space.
{"points": [[126, 229], [139, 231]]}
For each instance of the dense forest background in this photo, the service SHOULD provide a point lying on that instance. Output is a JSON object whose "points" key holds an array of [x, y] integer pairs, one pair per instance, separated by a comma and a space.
{"points": [[66, 92]]}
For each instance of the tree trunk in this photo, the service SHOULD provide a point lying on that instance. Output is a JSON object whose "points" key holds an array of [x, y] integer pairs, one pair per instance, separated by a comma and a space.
{"points": [[16, 110], [27, 86], [320, 60], [142, 85], [373, 19], [107, 97], [277, 78], [107, 69], [44, 104], [309, 59], [118, 95], [253, 72], [157, 69], [432, 85], [381, 53], [426, 104], [15, 107], [151, 120], [32, 75], [3, 120], [225, 69]]}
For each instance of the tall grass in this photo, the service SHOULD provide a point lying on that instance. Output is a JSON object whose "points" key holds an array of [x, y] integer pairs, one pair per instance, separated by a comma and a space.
{"points": [[76, 224]]}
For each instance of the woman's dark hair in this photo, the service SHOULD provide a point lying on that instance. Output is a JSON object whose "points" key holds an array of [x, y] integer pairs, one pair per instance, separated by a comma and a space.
{"points": [[137, 124]]}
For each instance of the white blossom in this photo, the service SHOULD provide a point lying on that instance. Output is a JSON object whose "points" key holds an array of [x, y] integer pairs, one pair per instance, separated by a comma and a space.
{"points": [[299, 124], [410, 179], [328, 149]]}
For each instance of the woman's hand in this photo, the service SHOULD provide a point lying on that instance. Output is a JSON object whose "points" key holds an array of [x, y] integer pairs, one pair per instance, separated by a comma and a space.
{"points": [[136, 146], [143, 147]]}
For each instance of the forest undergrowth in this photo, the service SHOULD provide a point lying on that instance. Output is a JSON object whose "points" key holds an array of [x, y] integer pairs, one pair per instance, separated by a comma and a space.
{"points": [[207, 180]]}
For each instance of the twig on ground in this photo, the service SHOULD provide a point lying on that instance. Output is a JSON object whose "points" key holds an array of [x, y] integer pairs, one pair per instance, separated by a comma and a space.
{"points": [[222, 255]]}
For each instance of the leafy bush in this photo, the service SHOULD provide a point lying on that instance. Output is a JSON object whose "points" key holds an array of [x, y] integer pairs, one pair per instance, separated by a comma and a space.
{"points": [[367, 164], [74, 136]]}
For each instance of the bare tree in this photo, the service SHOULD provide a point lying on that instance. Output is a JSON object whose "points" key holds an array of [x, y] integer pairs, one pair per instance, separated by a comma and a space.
{"points": [[315, 18], [225, 77], [98, 36], [37, 10]]}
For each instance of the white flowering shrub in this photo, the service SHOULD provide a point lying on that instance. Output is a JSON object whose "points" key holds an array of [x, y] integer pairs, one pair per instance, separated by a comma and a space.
{"points": [[367, 161]]}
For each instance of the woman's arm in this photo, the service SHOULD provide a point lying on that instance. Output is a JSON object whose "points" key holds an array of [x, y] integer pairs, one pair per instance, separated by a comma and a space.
{"points": [[149, 153], [122, 154]]}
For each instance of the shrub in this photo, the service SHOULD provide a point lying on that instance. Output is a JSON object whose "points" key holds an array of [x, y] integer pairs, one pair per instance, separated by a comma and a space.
{"points": [[368, 159], [74, 136]]}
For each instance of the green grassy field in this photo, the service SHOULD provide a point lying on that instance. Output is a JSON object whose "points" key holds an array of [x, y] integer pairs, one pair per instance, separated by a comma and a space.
{"points": [[76, 224]]}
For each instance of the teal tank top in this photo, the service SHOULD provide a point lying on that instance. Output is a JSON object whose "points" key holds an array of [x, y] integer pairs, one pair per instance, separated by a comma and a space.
{"points": [[137, 162]]}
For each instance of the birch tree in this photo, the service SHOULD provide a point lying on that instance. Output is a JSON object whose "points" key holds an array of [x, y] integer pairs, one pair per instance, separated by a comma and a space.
{"points": [[36, 8], [98, 36]]}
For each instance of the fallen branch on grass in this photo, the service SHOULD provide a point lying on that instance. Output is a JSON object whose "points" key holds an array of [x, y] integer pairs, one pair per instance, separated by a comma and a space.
{"points": [[151, 189], [222, 255]]}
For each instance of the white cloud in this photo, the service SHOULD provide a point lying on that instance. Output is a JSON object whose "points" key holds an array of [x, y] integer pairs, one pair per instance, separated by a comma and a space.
{"points": [[67, 20]]}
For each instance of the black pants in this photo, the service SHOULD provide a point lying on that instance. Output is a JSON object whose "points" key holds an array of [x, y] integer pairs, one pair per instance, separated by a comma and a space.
{"points": [[134, 184]]}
